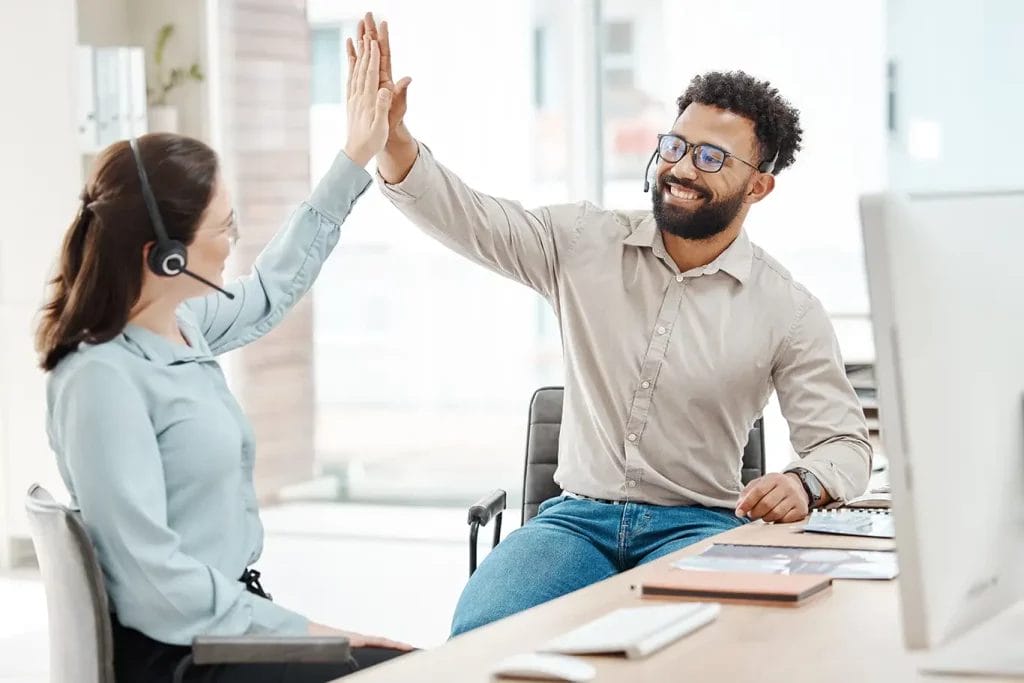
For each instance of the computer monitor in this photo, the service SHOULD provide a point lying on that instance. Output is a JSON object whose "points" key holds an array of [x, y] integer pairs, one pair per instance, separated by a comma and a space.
{"points": [[946, 283]]}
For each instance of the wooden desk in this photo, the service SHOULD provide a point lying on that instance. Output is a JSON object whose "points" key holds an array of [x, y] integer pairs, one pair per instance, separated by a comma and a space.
{"points": [[853, 634]]}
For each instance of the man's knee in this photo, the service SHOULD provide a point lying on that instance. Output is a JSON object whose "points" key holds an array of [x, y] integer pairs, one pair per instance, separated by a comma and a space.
{"points": [[497, 589], [533, 565]]}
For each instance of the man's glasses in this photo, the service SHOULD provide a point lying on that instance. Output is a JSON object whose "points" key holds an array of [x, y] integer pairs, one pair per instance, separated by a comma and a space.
{"points": [[707, 158]]}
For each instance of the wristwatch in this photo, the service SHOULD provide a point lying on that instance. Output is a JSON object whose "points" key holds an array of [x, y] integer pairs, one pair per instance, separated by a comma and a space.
{"points": [[811, 485]]}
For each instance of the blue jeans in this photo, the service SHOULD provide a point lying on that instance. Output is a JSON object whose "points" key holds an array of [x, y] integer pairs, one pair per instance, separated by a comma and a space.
{"points": [[572, 543]]}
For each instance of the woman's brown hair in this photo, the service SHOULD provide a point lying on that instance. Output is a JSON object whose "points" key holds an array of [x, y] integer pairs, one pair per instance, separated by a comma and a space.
{"points": [[100, 266]]}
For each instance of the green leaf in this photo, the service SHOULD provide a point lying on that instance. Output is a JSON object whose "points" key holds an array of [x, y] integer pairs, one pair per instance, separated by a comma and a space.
{"points": [[162, 36]]}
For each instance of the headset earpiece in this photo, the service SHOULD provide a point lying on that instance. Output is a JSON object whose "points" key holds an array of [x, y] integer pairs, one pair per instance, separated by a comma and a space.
{"points": [[168, 258], [768, 166]]}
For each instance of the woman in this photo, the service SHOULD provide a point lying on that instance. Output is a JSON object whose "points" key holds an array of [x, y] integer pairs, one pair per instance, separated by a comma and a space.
{"points": [[150, 442]]}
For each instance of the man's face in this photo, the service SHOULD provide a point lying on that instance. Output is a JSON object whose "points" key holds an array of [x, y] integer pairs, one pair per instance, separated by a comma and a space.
{"points": [[696, 204]]}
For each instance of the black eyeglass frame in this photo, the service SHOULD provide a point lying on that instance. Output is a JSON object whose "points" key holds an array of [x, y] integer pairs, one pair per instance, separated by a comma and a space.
{"points": [[694, 150]]}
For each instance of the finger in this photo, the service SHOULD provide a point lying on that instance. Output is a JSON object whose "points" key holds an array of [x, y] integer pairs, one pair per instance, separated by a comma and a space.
{"points": [[767, 502], [371, 25], [751, 494], [779, 512], [385, 51], [357, 68], [377, 641], [364, 58], [350, 51], [402, 85], [797, 514], [361, 31], [372, 81], [383, 105]]}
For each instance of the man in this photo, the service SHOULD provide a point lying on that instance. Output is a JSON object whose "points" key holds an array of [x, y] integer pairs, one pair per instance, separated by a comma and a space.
{"points": [[675, 330]]}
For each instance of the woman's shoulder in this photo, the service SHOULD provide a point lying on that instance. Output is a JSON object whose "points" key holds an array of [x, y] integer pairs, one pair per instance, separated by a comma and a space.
{"points": [[92, 369]]}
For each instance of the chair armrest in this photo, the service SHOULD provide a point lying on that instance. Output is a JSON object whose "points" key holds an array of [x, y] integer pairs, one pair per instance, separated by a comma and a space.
{"points": [[487, 507], [256, 649]]}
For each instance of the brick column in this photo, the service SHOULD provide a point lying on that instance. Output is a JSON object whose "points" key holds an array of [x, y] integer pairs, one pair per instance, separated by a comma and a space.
{"points": [[264, 98]]}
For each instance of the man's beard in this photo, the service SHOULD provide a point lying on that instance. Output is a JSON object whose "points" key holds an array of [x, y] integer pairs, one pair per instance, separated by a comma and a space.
{"points": [[707, 220]]}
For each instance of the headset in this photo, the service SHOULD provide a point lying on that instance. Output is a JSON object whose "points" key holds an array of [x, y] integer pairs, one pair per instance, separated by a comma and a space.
{"points": [[168, 257]]}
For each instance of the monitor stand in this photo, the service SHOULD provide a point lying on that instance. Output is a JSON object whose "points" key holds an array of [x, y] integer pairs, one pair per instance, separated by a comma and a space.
{"points": [[992, 648]]}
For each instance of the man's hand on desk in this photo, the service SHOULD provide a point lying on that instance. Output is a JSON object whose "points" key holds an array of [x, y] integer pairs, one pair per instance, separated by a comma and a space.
{"points": [[774, 498]]}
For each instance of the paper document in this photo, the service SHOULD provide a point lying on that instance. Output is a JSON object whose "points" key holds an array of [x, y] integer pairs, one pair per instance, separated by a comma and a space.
{"points": [[839, 564]]}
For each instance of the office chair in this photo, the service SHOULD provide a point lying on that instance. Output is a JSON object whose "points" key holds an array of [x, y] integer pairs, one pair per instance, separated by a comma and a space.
{"points": [[81, 644], [543, 427]]}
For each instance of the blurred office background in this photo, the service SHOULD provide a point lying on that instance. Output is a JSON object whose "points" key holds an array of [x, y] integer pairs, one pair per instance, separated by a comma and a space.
{"points": [[396, 393]]}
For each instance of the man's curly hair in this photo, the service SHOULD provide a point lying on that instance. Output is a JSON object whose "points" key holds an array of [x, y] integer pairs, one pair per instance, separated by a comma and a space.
{"points": [[776, 121]]}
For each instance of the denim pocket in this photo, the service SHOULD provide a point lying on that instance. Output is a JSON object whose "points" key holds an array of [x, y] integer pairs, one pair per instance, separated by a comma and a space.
{"points": [[549, 503]]}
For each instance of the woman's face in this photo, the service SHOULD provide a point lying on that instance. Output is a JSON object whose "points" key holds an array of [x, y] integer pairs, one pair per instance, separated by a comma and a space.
{"points": [[216, 234]]}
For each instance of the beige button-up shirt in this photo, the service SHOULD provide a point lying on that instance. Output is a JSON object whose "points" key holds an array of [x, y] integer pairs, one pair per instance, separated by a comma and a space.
{"points": [[665, 371]]}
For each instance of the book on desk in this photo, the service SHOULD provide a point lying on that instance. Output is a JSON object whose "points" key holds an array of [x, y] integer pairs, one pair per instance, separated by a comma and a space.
{"points": [[775, 590]]}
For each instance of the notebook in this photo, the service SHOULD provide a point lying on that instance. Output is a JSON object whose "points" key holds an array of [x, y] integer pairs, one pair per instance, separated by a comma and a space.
{"points": [[873, 523], [787, 590], [634, 631]]}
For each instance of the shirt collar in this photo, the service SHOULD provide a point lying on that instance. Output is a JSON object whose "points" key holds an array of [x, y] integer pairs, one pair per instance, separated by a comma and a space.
{"points": [[157, 349], [737, 259]]}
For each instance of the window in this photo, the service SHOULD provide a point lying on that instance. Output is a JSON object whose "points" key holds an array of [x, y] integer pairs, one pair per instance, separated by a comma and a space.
{"points": [[424, 362], [325, 48], [618, 54]]}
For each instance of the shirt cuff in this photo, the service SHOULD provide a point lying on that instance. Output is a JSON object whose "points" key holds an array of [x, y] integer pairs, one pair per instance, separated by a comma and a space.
{"points": [[344, 182], [415, 183], [842, 469], [270, 618]]}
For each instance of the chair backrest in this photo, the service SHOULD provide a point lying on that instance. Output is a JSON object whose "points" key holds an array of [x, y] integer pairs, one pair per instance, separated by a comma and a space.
{"points": [[81, 645], [542, 450]]}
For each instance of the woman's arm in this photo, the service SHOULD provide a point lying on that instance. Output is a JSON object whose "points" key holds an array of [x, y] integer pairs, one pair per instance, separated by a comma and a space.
{"points": [[288, 266]]}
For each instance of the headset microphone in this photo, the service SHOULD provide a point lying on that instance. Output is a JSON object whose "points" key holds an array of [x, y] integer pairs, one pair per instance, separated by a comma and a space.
{"points": [[647, 172], [168, 257]]}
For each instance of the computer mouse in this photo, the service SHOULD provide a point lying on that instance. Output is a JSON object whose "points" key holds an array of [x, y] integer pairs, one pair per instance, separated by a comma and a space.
{"points": [[545, 667]]}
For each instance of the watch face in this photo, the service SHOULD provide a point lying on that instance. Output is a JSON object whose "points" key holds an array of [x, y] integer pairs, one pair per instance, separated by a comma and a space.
{"points": [[812, 485]]}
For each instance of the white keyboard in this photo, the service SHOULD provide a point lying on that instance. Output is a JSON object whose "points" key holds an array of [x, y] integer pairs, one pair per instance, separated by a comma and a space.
{"points": [[635, 631]]}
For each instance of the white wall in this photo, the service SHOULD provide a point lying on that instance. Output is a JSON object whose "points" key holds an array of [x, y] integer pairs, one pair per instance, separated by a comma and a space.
{"points": [[122, 22], [39, 185], [40, 178], [102, 22], [186, 46]]}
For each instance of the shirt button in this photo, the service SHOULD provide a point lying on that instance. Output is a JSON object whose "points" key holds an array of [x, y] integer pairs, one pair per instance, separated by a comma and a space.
{"points": [[662, 330], [645, 385], [631, 484], [632, 437], [679, 278]]}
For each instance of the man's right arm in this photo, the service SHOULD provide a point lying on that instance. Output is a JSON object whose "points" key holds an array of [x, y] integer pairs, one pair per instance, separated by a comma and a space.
{"points": [[500, 234]]}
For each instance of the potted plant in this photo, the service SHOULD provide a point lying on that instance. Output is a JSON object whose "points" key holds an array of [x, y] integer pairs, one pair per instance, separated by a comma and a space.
{"points": [[163, 117]]}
